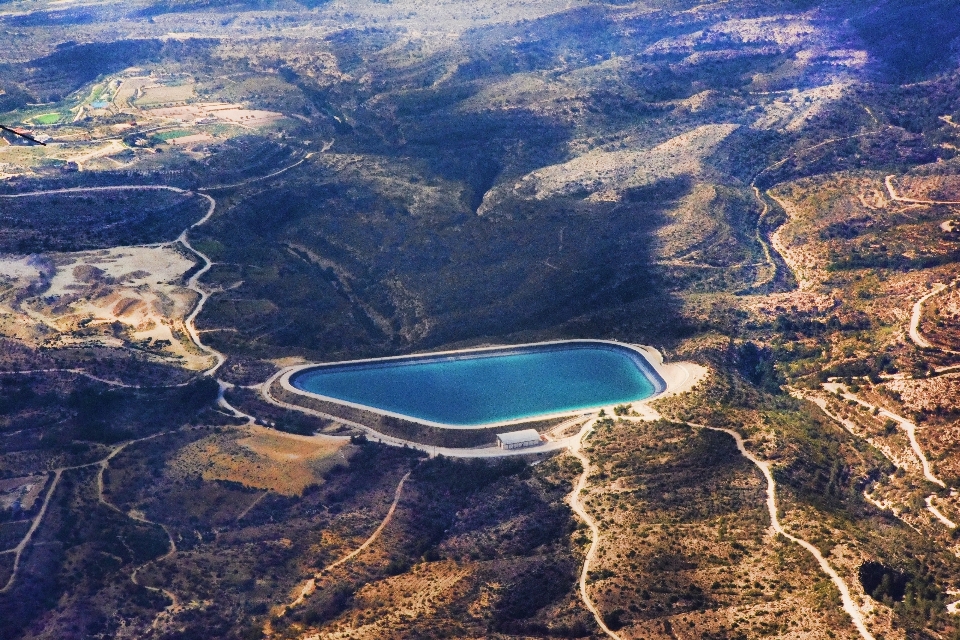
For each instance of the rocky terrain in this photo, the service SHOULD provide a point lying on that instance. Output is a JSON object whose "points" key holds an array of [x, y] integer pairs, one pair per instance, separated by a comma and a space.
{"points": [[767, 190]]}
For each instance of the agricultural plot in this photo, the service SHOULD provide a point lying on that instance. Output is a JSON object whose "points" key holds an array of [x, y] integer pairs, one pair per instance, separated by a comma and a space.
{"points": [[154, 95], [47, 118], [203, 111]]}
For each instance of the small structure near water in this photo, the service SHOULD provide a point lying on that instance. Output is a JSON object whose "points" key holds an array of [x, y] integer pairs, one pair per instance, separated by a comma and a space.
{"points": [[518, 439]]}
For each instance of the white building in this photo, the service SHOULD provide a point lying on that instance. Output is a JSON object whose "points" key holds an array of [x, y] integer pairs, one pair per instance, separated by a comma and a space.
{"points": [[518, 439]]}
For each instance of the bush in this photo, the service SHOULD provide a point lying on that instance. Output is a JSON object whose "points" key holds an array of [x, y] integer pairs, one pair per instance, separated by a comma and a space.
{"points": [[882, 582], [327, 604], [613, 619]]}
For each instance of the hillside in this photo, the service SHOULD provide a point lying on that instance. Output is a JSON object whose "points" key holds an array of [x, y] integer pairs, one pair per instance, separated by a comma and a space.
{"points": [[766, 191]]}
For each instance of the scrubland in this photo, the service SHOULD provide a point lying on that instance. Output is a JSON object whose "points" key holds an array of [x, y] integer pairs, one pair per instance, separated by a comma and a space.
{"points": [[767, 189]]}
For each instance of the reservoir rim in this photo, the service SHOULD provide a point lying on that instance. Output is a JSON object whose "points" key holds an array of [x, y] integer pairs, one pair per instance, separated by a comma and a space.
{"points": [[647, 360]]}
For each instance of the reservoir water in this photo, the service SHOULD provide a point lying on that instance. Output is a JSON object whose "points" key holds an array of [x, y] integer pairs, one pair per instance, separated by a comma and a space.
{"points": [[491, 386]]}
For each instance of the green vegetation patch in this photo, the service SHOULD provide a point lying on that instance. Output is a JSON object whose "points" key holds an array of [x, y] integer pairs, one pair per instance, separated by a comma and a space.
{"points": [[47, 118], [163, 136]]}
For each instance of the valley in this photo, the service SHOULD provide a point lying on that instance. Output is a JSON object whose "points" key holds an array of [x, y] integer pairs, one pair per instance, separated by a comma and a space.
{"points": [[765, 193]]}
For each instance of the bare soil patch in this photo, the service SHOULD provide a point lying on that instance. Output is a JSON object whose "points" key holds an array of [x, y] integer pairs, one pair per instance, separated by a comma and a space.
{"points": [[263, 459]]}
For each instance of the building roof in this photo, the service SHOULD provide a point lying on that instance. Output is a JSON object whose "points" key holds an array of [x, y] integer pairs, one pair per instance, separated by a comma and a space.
{"points": [[517, 437]]}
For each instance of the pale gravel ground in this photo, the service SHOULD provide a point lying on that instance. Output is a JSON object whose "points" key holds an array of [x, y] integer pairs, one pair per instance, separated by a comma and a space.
{"points": [[607, 173]]}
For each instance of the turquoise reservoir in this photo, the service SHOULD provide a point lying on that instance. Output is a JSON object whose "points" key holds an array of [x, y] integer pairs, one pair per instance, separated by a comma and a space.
{"points": [[491, 386]]}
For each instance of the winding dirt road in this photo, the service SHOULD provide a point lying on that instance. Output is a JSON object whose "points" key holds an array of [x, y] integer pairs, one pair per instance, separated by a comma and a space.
{"points": [[576, 503], [123, 187], [947, 522], [908, 427], [849, 605], [892, 192], [917, 314], [18, 550], [769, 248], [325, 148], [311, 584], [79, 372], [57, 474], [192, 283], [175, 602]]}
